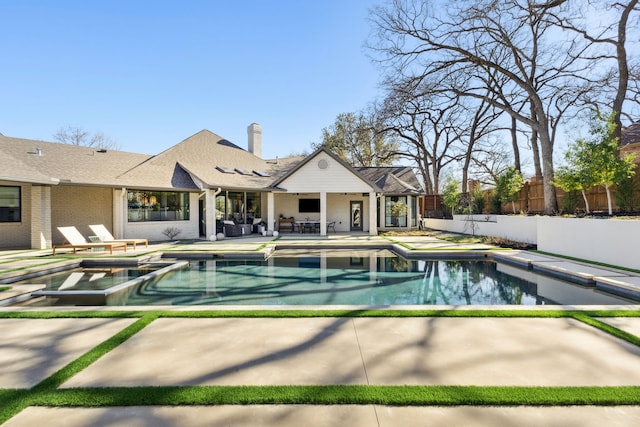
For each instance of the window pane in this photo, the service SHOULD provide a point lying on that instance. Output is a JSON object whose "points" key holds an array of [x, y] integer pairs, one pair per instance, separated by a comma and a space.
{"points": [[396, 211], [10, 204], [158, 206]]}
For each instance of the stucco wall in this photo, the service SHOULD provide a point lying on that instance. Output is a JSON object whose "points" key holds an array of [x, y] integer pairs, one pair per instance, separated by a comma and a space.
{"points": [[18, 234], [517, 228], [609, 241]]}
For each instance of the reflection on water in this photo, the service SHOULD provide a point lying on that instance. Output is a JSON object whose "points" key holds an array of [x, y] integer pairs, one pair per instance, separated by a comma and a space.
{"points": [[332, 277]]}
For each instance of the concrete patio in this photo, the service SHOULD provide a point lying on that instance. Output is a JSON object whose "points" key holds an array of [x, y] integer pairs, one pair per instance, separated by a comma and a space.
{"points": [[482, 351]]}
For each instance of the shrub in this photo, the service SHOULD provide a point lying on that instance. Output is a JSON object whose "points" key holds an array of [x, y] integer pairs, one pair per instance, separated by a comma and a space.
{"points": [[171, 232], [627, 195]]}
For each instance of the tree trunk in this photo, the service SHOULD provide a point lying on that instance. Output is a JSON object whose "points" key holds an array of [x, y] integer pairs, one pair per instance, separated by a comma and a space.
{"points": [[586, 201], [535, 148], [550, 199], [606, 187], [514, 144]]}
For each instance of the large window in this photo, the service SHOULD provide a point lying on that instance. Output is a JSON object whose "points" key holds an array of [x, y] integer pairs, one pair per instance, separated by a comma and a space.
{"points": [[239, 207], [157, 206], [396, 211], [10, 210]]}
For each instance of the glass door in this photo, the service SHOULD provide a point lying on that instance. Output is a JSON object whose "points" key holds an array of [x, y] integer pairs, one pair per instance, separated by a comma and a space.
{"points": [[356, 216]]}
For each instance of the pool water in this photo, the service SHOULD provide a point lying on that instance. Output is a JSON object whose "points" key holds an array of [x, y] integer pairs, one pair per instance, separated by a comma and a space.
{"points": [[91, 278], [338, 277]]}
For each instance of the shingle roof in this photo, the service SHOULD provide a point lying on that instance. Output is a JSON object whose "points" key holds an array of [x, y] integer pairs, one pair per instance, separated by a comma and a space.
{"points": [[198, 162], [63, 163], [393, 179], [205, 156]]}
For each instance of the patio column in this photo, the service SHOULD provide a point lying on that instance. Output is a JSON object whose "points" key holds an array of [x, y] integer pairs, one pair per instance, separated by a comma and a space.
{"points": [[382, 213], [409, 212], [210, 212], [271, 209], [40, 217], [120, 213], [323, 213], [373, 214]]}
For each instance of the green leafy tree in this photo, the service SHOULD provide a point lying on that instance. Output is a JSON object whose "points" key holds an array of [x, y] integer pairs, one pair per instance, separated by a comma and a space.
{"points": [[608, 168], [596, 161], [357, 139], [508, 187], [451, 195], [576, 177]]}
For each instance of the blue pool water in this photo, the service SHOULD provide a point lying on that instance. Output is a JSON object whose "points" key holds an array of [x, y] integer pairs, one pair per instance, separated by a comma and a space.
{"points": [[338, 277], [318, 277]]}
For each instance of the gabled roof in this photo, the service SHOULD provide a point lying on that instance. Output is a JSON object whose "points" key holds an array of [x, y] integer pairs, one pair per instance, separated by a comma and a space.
{"points": [[312, 156], [43, 162], [393, 179], [204, 160], [211, 161]]}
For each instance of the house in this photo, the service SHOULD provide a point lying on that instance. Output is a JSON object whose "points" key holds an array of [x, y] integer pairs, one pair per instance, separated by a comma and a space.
{"points": [[192, 187], [630, 141]]}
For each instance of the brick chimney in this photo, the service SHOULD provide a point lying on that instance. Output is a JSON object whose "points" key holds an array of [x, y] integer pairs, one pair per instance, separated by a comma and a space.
{"points": [[254, 132]]}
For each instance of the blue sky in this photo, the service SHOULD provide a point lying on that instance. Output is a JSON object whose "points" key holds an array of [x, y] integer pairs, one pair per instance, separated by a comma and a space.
{"points": [[149, 74]]}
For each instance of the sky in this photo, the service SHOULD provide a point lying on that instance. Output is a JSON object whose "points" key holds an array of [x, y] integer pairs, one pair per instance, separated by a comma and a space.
{"points": [[149, 74]]}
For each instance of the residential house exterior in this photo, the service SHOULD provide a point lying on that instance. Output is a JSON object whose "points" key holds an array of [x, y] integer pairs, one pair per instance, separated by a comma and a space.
{"points": [[193, 187]]}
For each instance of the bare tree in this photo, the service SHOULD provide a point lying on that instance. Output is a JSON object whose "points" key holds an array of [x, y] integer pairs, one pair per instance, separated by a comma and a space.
{"points": [[608, 38], [77, 136], [426, 125], [484, 38]]}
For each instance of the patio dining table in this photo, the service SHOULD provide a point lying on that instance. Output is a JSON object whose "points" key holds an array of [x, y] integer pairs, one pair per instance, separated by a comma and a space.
{"points": [[304, 224]]}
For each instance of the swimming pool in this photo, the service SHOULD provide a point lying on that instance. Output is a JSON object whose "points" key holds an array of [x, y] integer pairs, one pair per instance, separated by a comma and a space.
{"points": [[353, 277]]}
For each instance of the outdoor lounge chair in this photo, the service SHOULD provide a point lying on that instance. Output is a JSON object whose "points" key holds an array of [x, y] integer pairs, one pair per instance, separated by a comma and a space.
{"points": [[104, 235], [74, 240]]}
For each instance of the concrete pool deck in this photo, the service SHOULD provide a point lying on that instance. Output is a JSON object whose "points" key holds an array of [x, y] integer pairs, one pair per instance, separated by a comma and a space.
{"points": [[319, 351]]}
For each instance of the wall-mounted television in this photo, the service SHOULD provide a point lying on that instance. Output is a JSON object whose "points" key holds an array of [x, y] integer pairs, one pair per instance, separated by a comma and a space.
{"points": [[309, 205]]}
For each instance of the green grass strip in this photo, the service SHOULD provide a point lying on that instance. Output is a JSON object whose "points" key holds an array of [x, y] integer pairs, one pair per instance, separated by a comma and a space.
{"points": [[293, 313], [4, 288], [16, 400], [586, 261], [619, 333], [94, 354], [340, 395]]}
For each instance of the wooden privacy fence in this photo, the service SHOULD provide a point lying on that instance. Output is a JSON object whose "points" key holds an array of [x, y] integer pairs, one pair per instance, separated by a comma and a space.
{"points": [[530, 200]]}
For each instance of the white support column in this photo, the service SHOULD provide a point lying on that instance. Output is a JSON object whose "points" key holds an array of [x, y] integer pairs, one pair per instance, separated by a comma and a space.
{"points": [[382, 212], [40, 217], [373, 214], [409, 212], [323, 213], [120, 214], [271, 211], [209, 213]]}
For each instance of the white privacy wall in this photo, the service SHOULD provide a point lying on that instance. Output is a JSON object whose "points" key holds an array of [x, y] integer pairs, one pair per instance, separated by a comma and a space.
{"points": [[609, 241], [517, 228]]}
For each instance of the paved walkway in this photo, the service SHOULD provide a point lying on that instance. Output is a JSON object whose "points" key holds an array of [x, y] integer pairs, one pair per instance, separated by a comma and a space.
{"points": [[318, 351]]}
